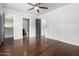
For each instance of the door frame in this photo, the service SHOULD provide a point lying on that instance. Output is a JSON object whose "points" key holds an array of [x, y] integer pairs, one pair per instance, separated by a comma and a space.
{"points": [[28, 25]]}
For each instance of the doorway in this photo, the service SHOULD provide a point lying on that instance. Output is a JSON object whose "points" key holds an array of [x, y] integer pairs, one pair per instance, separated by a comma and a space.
{"points": [[8, 26], [38, 28], [25, 27]]}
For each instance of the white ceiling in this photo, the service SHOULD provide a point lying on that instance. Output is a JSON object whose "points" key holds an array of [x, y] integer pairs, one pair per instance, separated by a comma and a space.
{"points": [[24, 6]]}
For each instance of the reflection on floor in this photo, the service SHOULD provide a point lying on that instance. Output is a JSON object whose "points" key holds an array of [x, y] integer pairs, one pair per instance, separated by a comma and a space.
{"points": [[38, 47]]}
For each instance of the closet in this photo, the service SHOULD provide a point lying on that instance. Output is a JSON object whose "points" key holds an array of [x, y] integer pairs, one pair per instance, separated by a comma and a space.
{"points": [[8, 27]]}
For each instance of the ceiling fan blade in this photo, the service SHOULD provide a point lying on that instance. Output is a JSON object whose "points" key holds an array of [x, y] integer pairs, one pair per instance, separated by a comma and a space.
{"points": [[38, 10], [31, 8], [39, 3], [31, 4], [43, 7]]}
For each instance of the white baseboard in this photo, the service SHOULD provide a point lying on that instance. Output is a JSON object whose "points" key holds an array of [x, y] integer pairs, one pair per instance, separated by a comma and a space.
{"points": [[72, 43], [9, 37]]}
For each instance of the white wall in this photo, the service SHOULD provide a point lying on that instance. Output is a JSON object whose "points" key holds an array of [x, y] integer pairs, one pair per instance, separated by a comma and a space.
{"points": [[1, 8], [43, 26], [63, 24], [18, 22], [32, 27]]}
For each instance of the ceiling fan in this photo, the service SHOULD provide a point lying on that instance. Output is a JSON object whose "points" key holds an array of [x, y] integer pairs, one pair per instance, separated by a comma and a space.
{"points": [[37, 6]]}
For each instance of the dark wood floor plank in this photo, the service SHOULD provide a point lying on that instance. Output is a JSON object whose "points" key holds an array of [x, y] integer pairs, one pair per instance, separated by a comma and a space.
{"points": [[38, 47]]}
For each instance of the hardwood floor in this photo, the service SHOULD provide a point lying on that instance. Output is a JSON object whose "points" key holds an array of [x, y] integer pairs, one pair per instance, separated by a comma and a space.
{"points": [[38, 47]]}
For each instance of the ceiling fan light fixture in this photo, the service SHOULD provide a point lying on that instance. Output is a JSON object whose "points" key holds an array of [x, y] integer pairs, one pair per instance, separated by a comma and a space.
{"points": [[36, 8]]}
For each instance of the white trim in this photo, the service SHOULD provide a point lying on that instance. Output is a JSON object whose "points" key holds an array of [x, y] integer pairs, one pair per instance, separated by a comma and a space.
{"points": [[62, 40]]}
